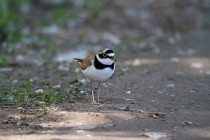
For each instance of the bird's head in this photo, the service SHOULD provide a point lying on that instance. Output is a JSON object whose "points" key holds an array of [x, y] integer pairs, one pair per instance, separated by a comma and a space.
{"points": [[106, 56]]}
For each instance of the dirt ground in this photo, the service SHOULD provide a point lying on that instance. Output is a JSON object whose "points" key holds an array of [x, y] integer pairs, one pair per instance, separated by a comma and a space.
{"points": [[160, 90]]}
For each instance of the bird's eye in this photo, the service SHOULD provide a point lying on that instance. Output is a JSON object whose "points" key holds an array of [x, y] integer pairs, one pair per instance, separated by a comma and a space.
{"points": [[104, 55]]}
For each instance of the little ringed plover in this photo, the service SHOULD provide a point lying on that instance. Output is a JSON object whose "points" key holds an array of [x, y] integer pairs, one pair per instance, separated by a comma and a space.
{"points": [[98, 68]]}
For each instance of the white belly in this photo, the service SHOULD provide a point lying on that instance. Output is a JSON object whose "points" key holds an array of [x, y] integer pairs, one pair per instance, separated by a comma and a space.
{"points": [[97, 75]]}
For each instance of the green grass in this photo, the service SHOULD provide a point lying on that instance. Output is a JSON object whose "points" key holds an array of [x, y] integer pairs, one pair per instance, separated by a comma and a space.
{"points": [[3, 62], [26, 95], [44, 103], [29, 91]]}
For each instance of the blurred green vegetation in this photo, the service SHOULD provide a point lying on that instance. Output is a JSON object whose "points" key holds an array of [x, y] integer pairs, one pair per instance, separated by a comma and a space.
{"points": [[17, 25], [3, 62], [93, 7], [10, 24]]}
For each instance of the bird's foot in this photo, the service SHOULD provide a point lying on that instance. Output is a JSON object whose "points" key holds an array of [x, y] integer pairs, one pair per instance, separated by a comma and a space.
{"points": [[95, 103]]}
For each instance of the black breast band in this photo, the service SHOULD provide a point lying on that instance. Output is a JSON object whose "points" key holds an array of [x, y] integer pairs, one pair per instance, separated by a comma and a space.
{"points": [[99, 65]]}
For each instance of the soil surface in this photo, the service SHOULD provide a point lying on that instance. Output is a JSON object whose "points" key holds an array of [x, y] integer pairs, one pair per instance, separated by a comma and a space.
{"points": [[160, 89]]}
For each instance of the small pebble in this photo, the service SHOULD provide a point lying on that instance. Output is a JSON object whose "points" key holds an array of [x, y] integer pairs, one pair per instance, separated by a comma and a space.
{"points": [[6, 69], [187, 123], [175, 60], [136, 62], [39, 91], [77, 70], [125, 69], [170, 85], [82, 92], [57, 86], [197, 65], [63, 68]]}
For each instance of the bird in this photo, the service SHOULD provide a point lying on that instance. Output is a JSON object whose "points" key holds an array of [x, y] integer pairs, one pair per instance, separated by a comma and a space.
{"points": [[98, 68]]}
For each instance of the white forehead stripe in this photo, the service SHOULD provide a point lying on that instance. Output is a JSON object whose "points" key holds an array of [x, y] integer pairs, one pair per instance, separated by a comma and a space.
{"points": [[110, 54]]}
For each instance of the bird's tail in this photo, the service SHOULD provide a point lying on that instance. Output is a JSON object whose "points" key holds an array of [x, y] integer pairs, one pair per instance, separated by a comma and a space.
{"points": [[78, 60]]}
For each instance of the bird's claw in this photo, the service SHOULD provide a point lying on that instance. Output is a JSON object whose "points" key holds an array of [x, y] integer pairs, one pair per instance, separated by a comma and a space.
{"points": [[95, 103]]}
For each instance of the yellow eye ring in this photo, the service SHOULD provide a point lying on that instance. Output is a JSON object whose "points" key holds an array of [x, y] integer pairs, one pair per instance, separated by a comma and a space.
{"points": [[104, 55]]}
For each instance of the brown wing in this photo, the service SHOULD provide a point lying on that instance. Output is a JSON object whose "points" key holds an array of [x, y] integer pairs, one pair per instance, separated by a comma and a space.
{"points": [[87, 61]]}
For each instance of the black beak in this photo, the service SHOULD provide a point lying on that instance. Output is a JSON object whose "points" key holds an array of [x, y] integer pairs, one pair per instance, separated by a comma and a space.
{"points": [[113, 58]]}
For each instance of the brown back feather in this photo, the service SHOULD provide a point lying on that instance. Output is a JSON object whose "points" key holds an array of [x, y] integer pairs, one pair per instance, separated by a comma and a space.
{"points": [[84, 63]]}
